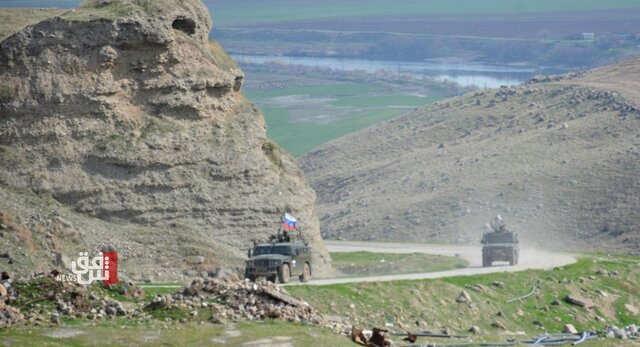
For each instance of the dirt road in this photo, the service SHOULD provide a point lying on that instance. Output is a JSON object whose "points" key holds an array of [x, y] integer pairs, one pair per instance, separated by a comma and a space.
{"points": [[529, 259]]}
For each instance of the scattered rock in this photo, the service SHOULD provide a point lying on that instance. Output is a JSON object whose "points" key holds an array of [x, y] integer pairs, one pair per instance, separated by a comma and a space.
{"points": [[3, 291], [240, 300], [620, 333], [498, 325], [55, 318], [579, 301], [632, 309], [478, 288], [498, 284], [474, 329], [196, 259], [569, 329], [463, 297], [602, 293], [9, 315]]}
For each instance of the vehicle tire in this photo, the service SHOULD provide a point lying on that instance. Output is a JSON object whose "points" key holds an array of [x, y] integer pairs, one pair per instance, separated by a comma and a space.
{"points": [[512, 260], [306, 273], [517, 257], [251, 278], [284, 273], [486, 261]]}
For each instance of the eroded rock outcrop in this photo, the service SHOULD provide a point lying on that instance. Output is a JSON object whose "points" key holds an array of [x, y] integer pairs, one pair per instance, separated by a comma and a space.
{"points": [[128, 113]]}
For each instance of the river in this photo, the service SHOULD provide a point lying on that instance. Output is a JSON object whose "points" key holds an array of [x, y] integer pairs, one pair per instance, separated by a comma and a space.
{"points": [[465, 74]]}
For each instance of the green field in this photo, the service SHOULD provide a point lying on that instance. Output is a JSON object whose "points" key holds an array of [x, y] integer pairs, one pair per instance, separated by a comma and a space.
{"points": [[373, 264], [227, 12], [320, 113], [301, 138]]}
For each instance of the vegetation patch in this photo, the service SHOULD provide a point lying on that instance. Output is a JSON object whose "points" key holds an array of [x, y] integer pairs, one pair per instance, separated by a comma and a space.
{"points": [[220, 57], [610, 282], [373, 264], [7, 93], [300, 138], [96, 9], [270, 148]]}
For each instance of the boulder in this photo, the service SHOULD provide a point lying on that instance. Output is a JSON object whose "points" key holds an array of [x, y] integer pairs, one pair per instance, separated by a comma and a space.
{"points": [[579, 301], [569, 329], [463, 297]]}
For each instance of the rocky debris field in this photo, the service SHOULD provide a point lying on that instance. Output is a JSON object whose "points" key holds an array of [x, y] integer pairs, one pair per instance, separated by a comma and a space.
{"points": [[240, 300], [42, 300]]}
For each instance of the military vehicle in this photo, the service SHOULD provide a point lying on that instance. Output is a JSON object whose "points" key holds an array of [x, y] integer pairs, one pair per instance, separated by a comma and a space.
{"points": [[500, 244], [281, 259]]}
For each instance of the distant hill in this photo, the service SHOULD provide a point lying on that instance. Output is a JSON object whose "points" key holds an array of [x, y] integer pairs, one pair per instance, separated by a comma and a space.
{"points": [[558, 158]]}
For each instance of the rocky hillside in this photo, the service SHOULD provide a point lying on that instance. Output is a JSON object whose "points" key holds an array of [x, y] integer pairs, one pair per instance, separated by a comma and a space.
{"points": [[122, 125], [558, 157]]}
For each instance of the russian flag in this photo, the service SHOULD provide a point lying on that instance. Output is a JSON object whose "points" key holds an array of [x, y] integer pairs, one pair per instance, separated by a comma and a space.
{"points": [[290, 222]]}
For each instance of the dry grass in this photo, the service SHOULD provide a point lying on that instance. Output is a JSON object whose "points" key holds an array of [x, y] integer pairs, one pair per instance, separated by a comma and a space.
{"points": [[14, 19]]}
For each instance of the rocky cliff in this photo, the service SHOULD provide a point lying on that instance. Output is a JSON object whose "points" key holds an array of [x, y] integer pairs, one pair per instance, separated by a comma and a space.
{"points": [[121, 124], [558, 157]]}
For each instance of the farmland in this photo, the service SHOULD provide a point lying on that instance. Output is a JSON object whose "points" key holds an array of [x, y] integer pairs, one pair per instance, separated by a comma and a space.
{"points": [[303, 113]]}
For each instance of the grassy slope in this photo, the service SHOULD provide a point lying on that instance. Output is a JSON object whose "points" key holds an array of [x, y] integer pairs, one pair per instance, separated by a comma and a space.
{"points": [[122, 333], [371, 264], [429, 303], [432, 302]]}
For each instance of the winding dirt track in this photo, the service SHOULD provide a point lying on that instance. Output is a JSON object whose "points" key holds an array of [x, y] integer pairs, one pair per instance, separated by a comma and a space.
{"points": [[529, 259]]}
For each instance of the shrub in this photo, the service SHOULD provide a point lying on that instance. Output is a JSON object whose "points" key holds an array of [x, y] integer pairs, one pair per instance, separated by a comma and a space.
{"points": [[7, 93]]}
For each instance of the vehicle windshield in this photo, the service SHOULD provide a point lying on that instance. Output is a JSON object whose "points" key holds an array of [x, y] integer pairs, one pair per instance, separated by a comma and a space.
{"points": [[284, 250], [500, 238]]}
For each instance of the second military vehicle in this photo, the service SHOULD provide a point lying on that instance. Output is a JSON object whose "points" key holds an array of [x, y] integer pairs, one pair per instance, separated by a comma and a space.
{"points": [[500, 244], [279, 260]]}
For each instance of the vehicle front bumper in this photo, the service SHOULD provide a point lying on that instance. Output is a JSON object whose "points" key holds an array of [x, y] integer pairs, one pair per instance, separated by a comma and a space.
{"points": [[262, 271]]}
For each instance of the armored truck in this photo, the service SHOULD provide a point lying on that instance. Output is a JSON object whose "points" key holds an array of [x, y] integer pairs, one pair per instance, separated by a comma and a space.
{"points": [[279, 260], [500, 244]]}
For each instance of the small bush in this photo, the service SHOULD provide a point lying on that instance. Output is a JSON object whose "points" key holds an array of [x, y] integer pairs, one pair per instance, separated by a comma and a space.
{"points": [[7, 93], [270, 149]]}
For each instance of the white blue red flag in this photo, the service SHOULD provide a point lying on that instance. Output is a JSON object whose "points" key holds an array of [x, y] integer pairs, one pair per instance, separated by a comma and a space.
{"points": [[290, 222]]}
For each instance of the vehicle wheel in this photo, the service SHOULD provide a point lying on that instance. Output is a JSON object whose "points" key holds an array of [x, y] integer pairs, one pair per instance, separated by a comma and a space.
{"points": [[486, 261], [513, 260], [306, 273], [517, 257], [283, 273], [251, 278]]}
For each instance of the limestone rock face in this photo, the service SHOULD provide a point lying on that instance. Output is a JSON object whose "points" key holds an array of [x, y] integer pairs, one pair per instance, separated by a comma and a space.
{"points": [[138, 118]]}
